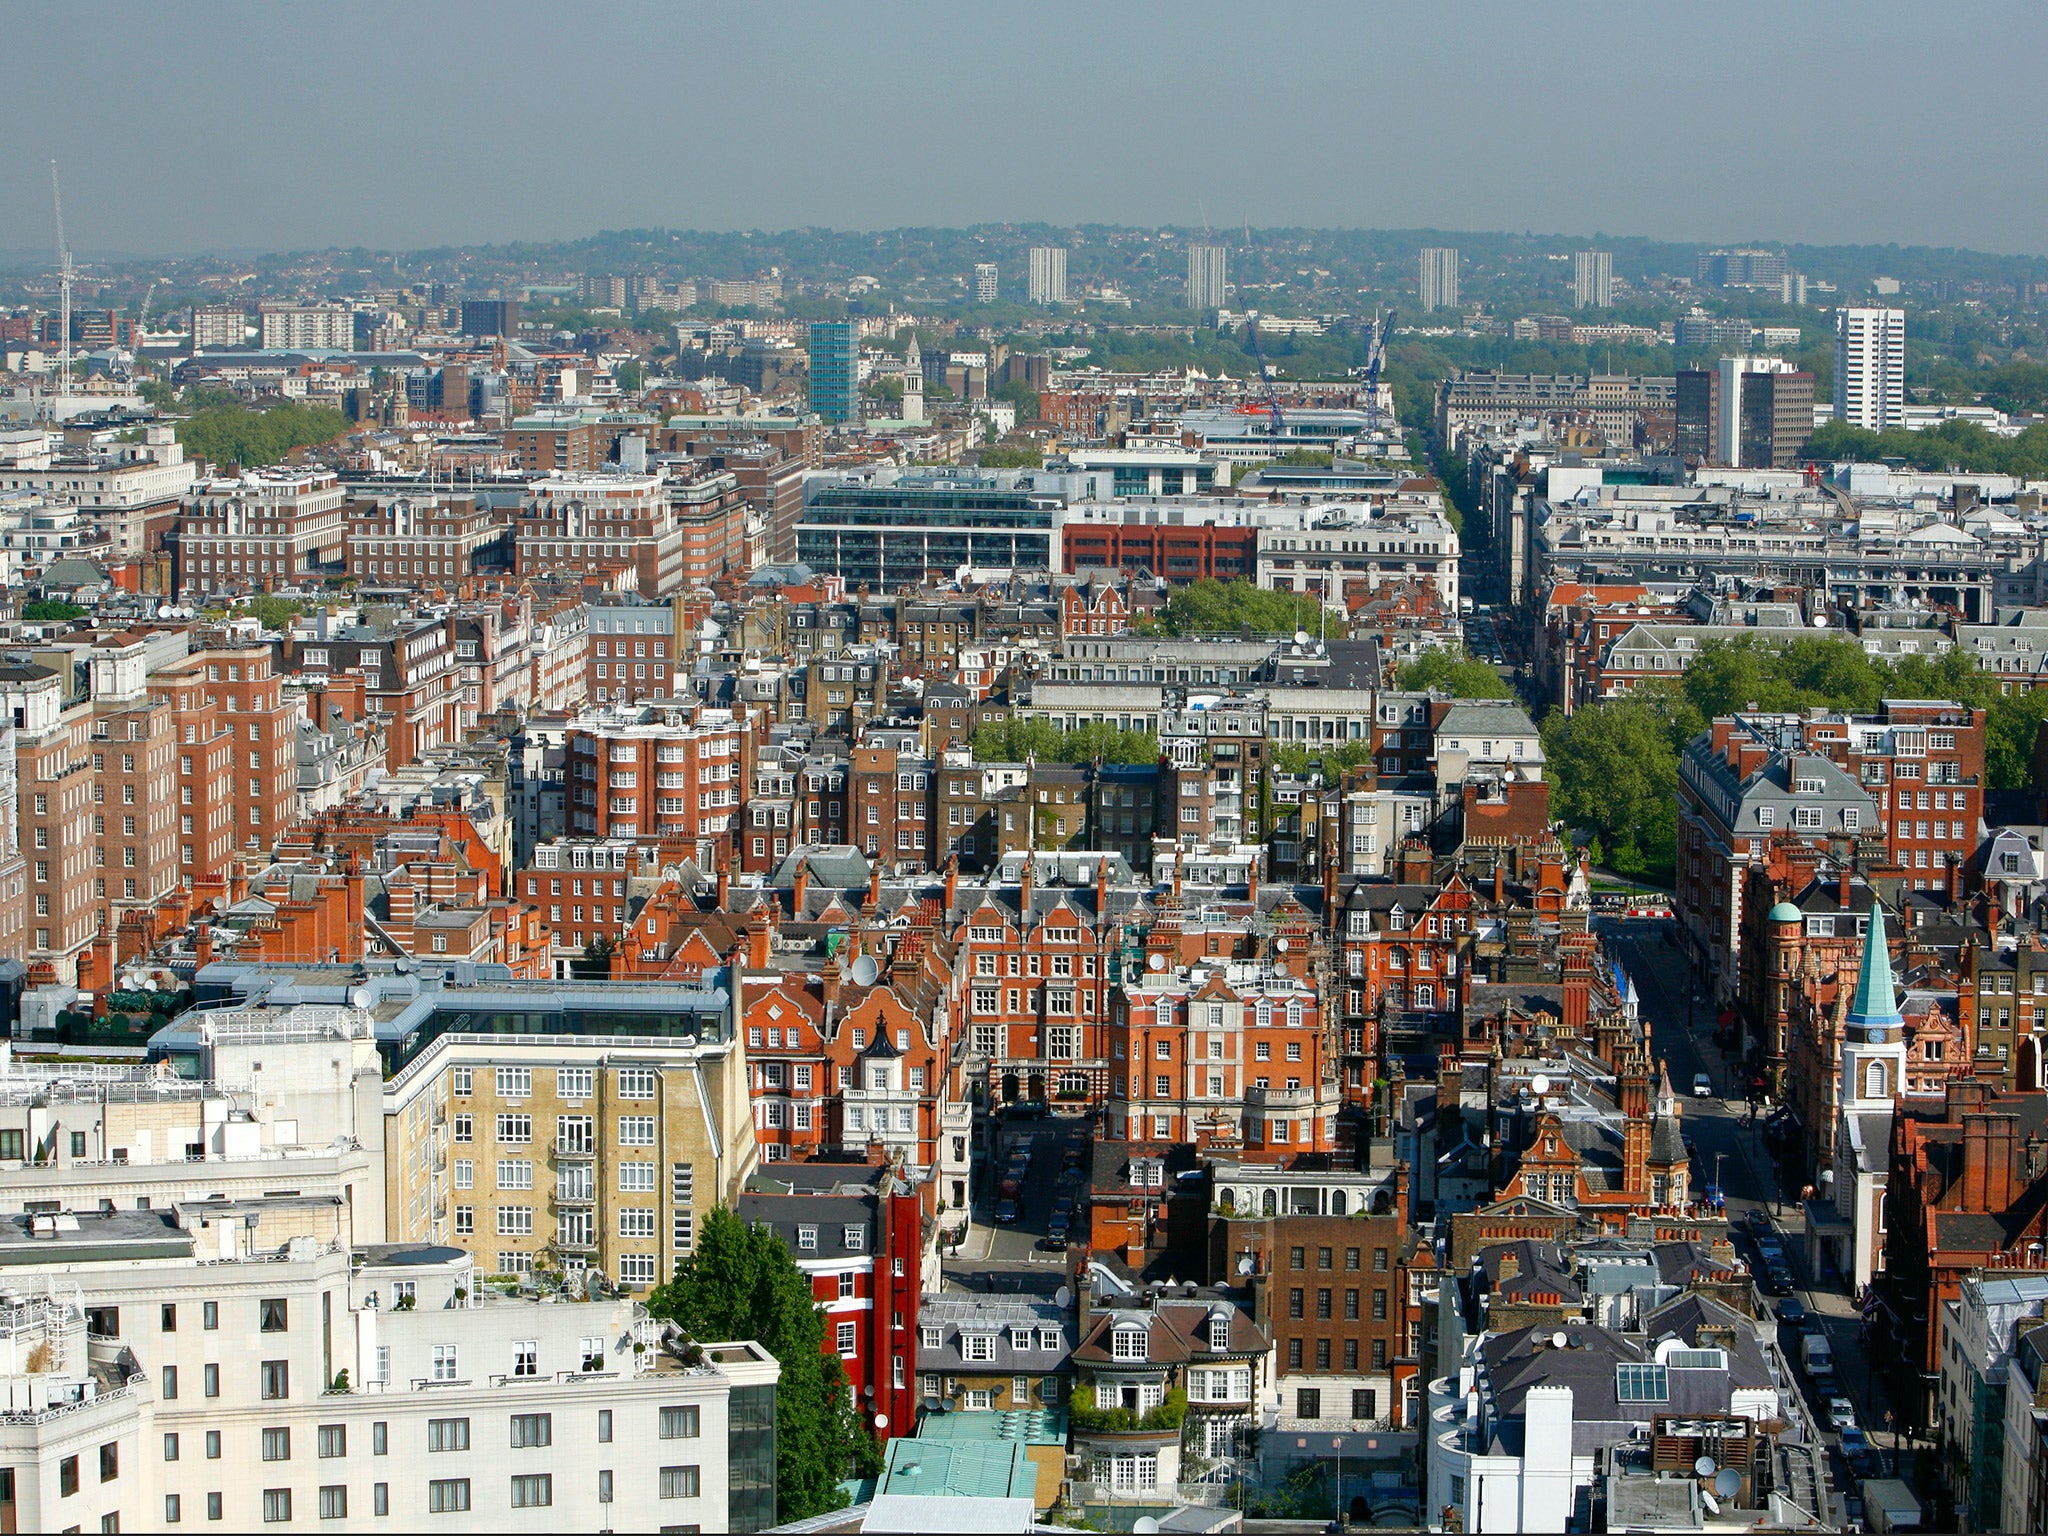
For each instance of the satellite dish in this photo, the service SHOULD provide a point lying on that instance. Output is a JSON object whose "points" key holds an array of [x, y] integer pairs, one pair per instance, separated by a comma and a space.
{"points": [[1063, 1297], [165, 610], [149, 983], [1157, 962], [1557, 1339], [865, 971], [1539, 1085], [1301, 637], [1727, 1482], [1145, 1525], [359, 997], [1280, 945], [1820, 621], [1705, 1466]]}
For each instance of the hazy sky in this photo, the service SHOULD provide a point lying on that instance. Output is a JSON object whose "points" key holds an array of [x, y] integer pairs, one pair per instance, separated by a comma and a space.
{"points": [[236, 124]]}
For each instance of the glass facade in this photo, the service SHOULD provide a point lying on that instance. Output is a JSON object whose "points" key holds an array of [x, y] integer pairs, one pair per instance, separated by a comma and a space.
{"points": [[889, 535], [835, 373], [750, 1460]]}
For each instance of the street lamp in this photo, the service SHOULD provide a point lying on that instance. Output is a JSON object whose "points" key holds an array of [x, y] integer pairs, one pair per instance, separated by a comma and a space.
{"points": [[1337, 1443]]}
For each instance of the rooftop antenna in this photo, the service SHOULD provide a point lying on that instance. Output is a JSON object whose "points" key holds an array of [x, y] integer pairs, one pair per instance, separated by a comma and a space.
{"points": [[63, 294]]}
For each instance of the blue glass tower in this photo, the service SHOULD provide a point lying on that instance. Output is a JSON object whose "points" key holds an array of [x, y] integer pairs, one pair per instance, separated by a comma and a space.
{"points": [[835, 371]]}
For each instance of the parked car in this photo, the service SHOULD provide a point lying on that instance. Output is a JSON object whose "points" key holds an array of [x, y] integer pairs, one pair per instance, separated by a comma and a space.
{"points": [[1702, 1086], [1778, 1280], [1842, 1413], [1759, 1223], [1792, 1312], [1006, 1212]]}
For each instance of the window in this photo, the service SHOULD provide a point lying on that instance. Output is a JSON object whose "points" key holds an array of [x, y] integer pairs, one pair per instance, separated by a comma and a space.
{"points": [[848, 1338], [276, 1316], [636, 1130], [515, 1082], [172, 1513], [526, 1358], [170, 1388], [277, 1377], [442, 1368], [277, 1504], [515, 1173], [515, 1128], [170, 1447], [532, 1429], [636, 1269], [333, 1440], [380, 1498], [213, 1506], [1308, 1403], [1127, 1344], [680, 1483], [515, 1221], [636, 1178], [856, 1238], [636, 1221], [534, 1491], [683, 1423], [447, 1434], [465, 1128], [213, 1445], [636, 1083], [982, 1346], [110, 1461], [573, 1082], [334, 1501], [1365, 1403], [446, 1495], [67, 1477], [168, 1320]]}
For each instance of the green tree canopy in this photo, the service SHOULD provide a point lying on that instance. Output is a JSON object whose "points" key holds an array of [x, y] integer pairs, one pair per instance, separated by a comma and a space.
{"points": [[274, 612], [1012, 456], [231, 434], [1011, 741], [742, 1283], [1455, 672], [50, 610], [1613, 767], [1227, 607]]}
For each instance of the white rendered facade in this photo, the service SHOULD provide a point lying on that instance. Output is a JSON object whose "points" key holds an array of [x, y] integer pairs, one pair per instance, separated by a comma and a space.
{"points": [[1048, 280], [1870, 368]]}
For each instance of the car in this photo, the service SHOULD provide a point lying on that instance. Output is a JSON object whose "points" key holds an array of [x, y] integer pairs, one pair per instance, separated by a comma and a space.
{"points": [[1791, 1312], [1702, 1086], [1006, 1212], [1842, 1413], [1778, 1281], [1758, 1222]]}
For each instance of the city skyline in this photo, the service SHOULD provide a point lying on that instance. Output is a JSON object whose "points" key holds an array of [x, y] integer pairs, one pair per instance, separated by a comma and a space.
{"points": [[300, 185]]}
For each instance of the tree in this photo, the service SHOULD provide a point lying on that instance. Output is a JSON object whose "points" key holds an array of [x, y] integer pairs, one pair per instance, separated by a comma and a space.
{"points": [[224, 432], [595, 963], [1613, 767], [1012, 456], [1011, 741], [2009, 737], [741, 1283], [50, 610], [1227, 607], [274, 613], [630, 376], [1460, 675], [1022, 396]]}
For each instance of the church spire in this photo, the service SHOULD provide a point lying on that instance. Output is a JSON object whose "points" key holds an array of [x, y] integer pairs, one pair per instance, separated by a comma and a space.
{"points": [[1876, 1005]]}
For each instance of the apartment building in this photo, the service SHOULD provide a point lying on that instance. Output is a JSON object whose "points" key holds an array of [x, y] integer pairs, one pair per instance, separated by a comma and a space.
{"points": [[1231, 1053], [268, 528], [408, 541], [662, 773], [579, 885], [621, 626], [558, 443], [132, 489], [306, 327], [593, 522], [210, 1365], [409, 676]]}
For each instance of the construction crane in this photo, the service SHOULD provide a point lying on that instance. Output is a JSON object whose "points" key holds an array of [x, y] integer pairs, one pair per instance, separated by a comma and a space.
{"points": [[1375, 357], [1278, 428], [63, 293], [142, 321]]}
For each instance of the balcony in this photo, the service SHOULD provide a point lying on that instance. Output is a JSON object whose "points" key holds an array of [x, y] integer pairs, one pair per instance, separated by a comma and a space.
{"points": [[1281, 1100]]}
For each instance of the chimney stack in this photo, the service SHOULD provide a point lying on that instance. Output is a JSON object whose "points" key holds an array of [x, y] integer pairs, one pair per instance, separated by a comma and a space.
{"points": [[952, 883]]}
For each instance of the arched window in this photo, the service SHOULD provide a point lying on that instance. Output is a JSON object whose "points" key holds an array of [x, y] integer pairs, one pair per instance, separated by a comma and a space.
{"points": [[1337, 1202], [1876, 1081], [1267, 1205]]}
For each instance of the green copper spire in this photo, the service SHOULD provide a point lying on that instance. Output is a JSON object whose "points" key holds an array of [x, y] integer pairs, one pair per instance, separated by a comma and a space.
{"points": [[1876, 1004]]}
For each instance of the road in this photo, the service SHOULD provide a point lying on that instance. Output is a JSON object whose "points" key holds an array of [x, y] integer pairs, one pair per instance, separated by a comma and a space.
{"points": [[1016, 1246], [1726, 1137]]}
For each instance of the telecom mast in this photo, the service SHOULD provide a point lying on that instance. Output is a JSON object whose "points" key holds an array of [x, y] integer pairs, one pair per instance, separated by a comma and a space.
{"points": [[63, 295]]}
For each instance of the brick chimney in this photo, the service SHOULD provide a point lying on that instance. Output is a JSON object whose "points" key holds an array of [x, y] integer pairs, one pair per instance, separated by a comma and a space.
{"points": [[725, 887], [1500, 882], [803, 887], [760, 937], [1976, 1190], [1635, 1155], [952, 882], [1102, 892], [1578, 989], [875, 886], [1024, 889], [238, 883]]}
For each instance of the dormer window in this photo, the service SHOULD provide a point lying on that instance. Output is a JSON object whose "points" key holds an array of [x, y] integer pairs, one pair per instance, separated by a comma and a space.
{"points": [[1219, 1333], [1127, 1344]]}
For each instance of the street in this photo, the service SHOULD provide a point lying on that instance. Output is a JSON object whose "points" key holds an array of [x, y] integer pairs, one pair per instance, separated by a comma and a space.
{"points": [[1728, 1144], [994, 1246]]}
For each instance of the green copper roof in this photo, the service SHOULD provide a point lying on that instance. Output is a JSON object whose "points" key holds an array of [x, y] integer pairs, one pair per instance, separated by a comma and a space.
{"points": [[1785, 912], [1876, 1004]]}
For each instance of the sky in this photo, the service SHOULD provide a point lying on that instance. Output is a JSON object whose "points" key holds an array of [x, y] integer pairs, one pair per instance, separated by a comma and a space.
{"points": [[235, 125]]}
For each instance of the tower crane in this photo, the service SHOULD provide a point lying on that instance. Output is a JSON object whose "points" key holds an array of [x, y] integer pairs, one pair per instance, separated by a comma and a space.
{"points": [[64, 275], [1376, 357], [1278, 428]]}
